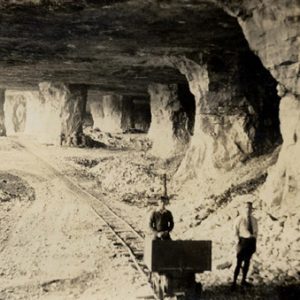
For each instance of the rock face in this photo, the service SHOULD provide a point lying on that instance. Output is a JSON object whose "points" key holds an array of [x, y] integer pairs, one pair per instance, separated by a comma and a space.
{"points": [[2, 120], [224, 130], [63, 108], [169, 122], [72, 115], [272, 31], [112, 113], [15, 110], [282, 185]]}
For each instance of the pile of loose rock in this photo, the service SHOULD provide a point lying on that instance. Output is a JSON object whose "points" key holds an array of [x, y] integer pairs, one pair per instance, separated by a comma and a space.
{"points": [[14, 188], [119, 141], [132, 179], [277, 258]]}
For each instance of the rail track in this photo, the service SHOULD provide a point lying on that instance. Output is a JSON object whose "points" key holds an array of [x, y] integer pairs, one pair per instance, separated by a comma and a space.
{"points": [[126, 239]]}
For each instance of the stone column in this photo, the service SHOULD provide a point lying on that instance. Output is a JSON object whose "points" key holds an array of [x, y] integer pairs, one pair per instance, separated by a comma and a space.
{"points": [[112, 113], [282, 187], [169, 123], [96, 108], [15, 110], [63, 108], [34, 119], [2, 118], [72, 115], [224, 127]]}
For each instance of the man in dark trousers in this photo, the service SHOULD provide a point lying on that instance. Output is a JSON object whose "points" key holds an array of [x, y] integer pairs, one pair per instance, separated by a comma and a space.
{"points": [[246, 234], [161, 221]]}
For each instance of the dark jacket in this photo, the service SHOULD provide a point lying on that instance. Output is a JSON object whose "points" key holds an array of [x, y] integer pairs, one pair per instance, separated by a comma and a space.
{"points": [[161, 221]]}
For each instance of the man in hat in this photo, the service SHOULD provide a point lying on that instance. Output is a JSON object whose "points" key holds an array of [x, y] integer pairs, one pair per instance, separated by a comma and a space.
{"points": [[161, 221], [246, 234]]}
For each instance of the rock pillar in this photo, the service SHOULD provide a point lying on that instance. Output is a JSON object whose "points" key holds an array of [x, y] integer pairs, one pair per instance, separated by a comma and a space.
{"points": [[2, 118], [282, 187], [169, 122], [34, 112], [72, 115], [15, 110], [224, 130], [112, 113], [63, 108]]}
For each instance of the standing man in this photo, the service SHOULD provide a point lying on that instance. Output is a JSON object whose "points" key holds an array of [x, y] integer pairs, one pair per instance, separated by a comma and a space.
{"points": [[161, 221], [246, 234]]}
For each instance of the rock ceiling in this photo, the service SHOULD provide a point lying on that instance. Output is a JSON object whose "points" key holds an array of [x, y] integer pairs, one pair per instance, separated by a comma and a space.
{"points": [[114, 46]]}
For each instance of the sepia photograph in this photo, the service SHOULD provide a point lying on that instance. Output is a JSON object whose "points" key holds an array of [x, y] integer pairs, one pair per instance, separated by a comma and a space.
{"points": [[149, 149]]}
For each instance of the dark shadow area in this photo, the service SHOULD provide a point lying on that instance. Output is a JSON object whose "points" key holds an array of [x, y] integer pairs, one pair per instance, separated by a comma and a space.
{"points": [[142, 115], [259, 87], [187, 100], [262, 292]]}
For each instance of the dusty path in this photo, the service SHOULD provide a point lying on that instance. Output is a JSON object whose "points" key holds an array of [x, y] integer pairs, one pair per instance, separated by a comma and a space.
{"points": [[55, 248]]}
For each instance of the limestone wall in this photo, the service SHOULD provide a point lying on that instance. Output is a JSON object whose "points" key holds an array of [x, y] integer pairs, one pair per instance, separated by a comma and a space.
{"points": [[272, 31], [169, 122]]}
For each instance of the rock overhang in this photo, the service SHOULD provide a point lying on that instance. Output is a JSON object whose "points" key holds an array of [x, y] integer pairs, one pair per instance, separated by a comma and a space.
{"points": [[114, 46]]}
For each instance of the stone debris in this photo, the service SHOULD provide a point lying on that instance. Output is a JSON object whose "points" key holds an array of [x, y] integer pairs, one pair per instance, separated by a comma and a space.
{"points": [[14, 188], [136, 180], [119, 141]]}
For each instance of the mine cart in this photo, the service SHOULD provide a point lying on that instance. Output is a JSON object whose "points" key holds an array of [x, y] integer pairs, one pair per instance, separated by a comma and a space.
{"points": [[173, 265]]}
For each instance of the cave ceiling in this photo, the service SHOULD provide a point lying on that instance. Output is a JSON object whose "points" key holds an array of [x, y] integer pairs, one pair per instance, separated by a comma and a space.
{"points": [[112, 46]]}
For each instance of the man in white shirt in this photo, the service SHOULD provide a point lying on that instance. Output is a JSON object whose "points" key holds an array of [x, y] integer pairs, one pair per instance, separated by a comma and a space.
{"points": [[246, 234]]}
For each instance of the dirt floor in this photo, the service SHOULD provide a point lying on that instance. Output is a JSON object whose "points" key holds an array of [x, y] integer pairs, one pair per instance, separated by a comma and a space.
{"points": [[54, 247], [52, 244]]}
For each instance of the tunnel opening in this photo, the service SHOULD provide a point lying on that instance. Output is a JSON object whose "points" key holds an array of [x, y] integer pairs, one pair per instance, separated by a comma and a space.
{"points": [[142, 115]]}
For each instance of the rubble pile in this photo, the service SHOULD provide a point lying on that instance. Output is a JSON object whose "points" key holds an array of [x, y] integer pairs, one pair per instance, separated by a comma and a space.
{"points": [[16, 196], [119, 141], [277, 258], [14, 188], [133, 179]]}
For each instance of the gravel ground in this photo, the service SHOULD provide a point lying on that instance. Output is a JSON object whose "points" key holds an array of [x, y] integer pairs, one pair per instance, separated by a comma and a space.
{"points": [[53, 246], [130, 181]]}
